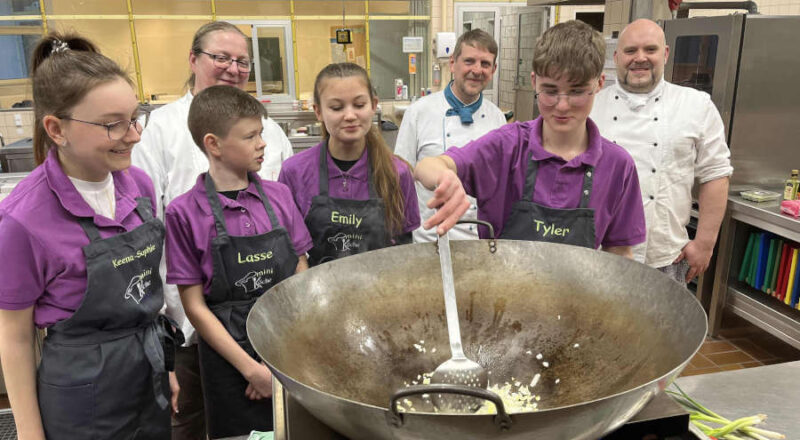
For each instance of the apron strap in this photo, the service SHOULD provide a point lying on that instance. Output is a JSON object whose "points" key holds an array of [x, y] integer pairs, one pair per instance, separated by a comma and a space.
{"points": [[216, 207], [87, 223], [530, 182], [273, 219], [143, 208], [323, 173]]}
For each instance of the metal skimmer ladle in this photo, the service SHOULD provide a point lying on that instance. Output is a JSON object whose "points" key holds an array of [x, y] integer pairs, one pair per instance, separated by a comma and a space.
{"points": [[458, 370]]}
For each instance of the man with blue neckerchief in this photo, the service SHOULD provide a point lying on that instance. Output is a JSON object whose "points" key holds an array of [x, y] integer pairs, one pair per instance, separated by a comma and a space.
{"points": [[452, 118]]}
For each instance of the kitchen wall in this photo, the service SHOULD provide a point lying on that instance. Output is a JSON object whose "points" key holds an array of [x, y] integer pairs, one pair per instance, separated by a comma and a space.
{"points": [[16, 125]]}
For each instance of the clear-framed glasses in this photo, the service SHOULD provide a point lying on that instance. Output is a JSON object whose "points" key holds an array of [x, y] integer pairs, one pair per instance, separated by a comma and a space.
{"points": [[224, 61], [575, 98], [116, 130]]}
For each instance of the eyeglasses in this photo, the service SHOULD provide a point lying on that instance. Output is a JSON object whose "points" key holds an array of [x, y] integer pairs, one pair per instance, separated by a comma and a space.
{"points": [[550, 98], [224, 61], [116, 130]]}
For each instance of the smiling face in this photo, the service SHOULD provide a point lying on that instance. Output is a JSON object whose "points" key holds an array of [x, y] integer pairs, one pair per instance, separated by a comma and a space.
{"points": [[573, 102], [346, 108], [640, 56], [206, 74], [472, 71], [85, 150], [242, 149]]}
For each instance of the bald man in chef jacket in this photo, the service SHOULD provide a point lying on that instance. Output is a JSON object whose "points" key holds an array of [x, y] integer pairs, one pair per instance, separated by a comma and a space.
{"points": [[676, 137]]}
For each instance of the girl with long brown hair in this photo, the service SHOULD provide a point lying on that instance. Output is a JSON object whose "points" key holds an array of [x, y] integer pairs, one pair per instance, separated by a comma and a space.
{"points": [[354, 193]]}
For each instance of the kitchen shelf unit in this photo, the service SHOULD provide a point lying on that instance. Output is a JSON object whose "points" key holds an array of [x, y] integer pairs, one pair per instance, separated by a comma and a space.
{"points": [[760, 309]]}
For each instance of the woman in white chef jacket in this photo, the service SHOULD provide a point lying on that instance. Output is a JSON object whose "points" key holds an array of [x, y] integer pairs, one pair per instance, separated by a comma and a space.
{"points": [[218, 56]]}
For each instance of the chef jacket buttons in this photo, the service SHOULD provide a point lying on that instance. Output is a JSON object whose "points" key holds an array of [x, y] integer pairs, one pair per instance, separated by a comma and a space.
{"points": [[616, 97], [448, 134], [655, 119], [652, 198], [588, 174], [656, 99], [655, 144], [615, 118], [653, 170], [483, 116]]}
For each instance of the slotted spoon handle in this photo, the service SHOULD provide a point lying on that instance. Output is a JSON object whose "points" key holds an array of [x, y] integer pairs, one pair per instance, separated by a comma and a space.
{"points": [[450, 307]]}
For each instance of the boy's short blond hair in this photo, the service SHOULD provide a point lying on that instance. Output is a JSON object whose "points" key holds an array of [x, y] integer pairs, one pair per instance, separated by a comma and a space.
{"points": [[218, 108], [572, 48]]}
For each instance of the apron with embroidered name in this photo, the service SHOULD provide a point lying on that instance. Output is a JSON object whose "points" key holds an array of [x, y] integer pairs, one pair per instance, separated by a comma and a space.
{"points": [[343, 227], [534, 222], [244, 267], [103, 373]]}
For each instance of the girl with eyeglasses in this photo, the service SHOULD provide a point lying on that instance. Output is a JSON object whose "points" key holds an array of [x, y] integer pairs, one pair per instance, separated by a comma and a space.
{"points": [[553, 179], [86, 249]]}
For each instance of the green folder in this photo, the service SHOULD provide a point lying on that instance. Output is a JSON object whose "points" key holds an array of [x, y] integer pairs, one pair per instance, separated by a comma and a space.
{"points": [[754, 261], [744, 270], [770, 262]]}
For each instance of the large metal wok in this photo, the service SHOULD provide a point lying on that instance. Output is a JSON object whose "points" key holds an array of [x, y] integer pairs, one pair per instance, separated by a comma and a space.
{"points": [[345, 336]]}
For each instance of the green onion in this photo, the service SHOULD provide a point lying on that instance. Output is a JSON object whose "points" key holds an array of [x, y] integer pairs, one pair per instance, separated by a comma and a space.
{"points": [[730, 430]]}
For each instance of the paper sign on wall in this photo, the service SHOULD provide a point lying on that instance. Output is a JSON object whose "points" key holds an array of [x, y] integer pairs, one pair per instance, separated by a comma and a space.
{"points": [[412, 44], [412, 64]]}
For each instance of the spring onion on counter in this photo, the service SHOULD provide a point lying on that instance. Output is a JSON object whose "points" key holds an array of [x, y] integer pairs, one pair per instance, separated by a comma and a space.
{"points": [[739, 429]]}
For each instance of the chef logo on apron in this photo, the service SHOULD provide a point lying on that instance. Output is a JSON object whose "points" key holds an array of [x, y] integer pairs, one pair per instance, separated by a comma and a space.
{"points": [[254, 280], [137, 287], [344, 242]]}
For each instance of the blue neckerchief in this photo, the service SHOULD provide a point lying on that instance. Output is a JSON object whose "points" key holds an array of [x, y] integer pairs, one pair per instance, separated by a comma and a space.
{"points": [[458, 108]]}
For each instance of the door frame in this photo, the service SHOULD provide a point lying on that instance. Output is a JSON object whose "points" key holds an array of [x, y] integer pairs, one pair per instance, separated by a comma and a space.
{"points": [[459, 8], [286, 25]]}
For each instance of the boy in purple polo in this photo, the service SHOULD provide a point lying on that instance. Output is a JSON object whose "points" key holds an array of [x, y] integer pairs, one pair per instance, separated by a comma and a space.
{"points": [[552, 179], [230, 238]]}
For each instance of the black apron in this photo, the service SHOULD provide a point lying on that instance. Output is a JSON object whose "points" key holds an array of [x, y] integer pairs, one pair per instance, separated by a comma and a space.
{"points": [[343, 227], [244, 268], [534, 222], [104, 369]]}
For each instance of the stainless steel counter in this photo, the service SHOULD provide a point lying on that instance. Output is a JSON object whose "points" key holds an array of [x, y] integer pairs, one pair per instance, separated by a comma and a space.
{"points": [[773, 390]]}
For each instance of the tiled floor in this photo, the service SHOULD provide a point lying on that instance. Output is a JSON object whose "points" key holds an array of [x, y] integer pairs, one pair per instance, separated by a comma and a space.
{"points": [[739, 345]]}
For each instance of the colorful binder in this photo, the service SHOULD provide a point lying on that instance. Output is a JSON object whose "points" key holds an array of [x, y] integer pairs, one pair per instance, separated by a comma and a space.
{"points": [[781, 286], [770, 262], [744, 270], [773, 277], [792, 278]]}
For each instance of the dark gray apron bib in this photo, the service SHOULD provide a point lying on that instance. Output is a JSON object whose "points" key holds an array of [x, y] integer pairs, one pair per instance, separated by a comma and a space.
{"points": [[534, 222], [342, 227], [244, 268], [104, 369]]}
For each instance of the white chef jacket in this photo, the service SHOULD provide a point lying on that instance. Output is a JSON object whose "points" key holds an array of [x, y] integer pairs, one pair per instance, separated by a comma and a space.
{"points": [[426, 131], [675, 135], [168, 154]]}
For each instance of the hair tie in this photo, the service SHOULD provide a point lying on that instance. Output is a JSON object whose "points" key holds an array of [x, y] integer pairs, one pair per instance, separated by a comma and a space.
{"points": [[59, 46]]}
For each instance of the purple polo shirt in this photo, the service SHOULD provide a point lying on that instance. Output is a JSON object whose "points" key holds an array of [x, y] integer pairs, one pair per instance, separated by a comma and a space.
{"points": [[301, 174], [43, 241], [492, 169], [190, 227]]}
